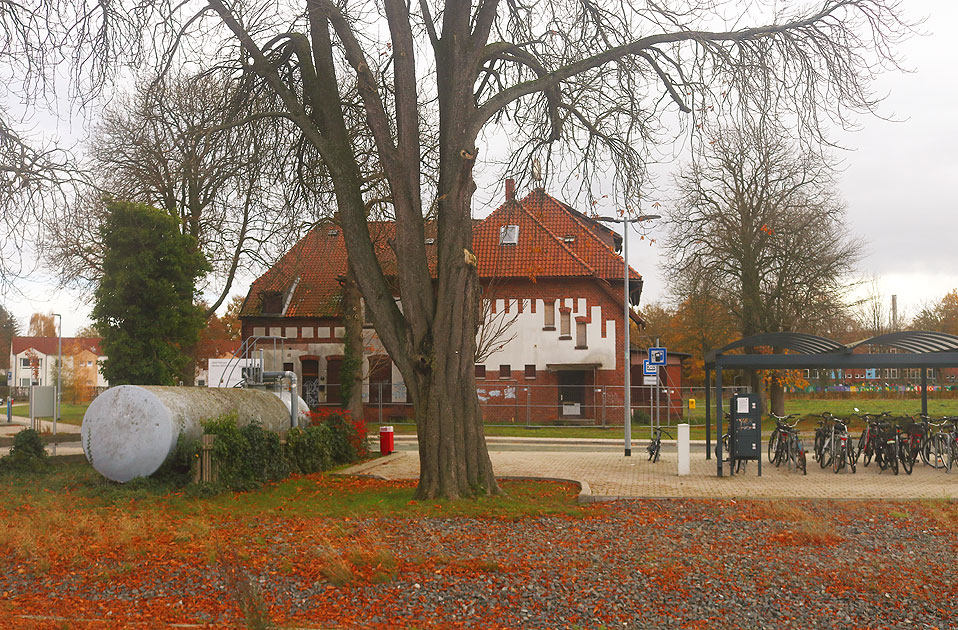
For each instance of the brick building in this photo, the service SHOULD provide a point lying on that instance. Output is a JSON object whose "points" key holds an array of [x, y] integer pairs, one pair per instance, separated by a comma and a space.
{"points": [[550, 349]]}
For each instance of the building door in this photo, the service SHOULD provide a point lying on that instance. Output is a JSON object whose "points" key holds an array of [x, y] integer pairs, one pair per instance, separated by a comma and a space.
{"points": [[380, 380], [334, 382], [572, 398], [310, 387]]}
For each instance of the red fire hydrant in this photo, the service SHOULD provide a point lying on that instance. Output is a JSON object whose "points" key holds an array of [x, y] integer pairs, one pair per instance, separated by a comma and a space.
{"points": [[386, 444]]}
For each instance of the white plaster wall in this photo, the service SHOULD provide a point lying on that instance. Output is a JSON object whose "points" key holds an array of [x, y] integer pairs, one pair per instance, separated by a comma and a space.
{"points": [[542, 347]]}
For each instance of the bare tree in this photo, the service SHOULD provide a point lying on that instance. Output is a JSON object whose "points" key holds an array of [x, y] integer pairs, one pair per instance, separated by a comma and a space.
{"points": [[759, 227], [74, 46], [590, 79], [186, 145]]}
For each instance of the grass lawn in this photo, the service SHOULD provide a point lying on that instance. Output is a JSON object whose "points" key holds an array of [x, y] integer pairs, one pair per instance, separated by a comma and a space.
{"points": [[69, 413], [803, 407]]}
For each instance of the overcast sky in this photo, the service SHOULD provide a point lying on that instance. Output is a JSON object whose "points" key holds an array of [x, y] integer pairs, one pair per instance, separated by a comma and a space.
{"points": [[900, 183]]}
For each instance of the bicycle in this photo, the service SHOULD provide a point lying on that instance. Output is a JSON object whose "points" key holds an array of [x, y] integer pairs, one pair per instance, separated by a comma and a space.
{"points": [[777, 442], [886, 453], [842, 448], [655, 446], [788, 446]]}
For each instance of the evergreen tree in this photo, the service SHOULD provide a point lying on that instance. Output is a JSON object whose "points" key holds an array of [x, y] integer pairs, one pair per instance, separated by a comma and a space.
{"points": [[8, 330], [145, 307]]}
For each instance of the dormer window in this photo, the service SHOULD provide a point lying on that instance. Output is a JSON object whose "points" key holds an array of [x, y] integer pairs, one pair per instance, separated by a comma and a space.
{"points": [[509, 235], [271, 303], [569, 238], [333, 232]]}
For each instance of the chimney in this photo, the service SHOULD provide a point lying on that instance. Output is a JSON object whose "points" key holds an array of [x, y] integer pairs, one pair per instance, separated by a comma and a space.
{"points": [[510, 190]]}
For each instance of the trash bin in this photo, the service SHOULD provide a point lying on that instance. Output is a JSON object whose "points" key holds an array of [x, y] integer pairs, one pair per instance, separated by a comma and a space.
{"points": [[386, 444]]}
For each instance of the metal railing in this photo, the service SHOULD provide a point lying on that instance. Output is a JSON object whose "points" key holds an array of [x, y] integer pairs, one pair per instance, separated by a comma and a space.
{"points": [[512, 403]]}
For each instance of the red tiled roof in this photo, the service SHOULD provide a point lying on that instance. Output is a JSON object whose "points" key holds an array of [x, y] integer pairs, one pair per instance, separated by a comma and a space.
{"points": [[555, 241], [48, 345]]}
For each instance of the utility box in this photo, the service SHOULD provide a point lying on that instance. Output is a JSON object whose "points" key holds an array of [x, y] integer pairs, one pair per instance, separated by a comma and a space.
{"points": [[745, 432]]}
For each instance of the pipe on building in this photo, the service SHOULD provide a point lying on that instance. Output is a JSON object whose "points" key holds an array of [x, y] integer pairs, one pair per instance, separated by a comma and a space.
{"points": [[293, 395], [129, 431]]}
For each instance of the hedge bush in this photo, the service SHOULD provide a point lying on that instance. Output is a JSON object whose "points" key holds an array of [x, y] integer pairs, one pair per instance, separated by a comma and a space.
{"points": [[348, 434], [27, 453], [245, 457], [248, 456], [310, 449]]}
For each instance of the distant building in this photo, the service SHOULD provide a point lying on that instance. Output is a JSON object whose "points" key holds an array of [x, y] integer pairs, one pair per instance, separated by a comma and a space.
{"points": [[33, 361]]}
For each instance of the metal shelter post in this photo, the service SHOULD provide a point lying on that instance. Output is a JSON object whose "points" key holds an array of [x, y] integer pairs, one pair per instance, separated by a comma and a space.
{"points": [[924, 391], [718, 417], [708, 414]]}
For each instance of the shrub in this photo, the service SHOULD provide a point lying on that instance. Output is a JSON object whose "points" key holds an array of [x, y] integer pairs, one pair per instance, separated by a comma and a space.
{"points": [[245, 457], [641, 417], [27, 453], [309, 449], [27, 443], [348, 441]]}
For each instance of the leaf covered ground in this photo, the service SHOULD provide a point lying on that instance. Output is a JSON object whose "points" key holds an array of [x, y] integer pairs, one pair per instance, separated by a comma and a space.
{"points": [[327, 552]]}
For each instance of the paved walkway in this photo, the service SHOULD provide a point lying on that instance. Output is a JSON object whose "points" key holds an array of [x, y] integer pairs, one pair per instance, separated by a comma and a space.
{"points": [[71, 445], [605, 474]]}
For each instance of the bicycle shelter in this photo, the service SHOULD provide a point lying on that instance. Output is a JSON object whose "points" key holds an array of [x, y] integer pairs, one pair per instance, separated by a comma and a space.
{"points": [[914, 349]]}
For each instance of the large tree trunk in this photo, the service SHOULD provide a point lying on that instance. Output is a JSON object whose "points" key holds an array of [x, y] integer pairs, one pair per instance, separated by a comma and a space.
{"points": [[453, 458], [352, 367]]}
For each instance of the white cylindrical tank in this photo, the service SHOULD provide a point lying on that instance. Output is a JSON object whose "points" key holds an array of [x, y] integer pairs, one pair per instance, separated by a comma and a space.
{"points": [[130, 430]]}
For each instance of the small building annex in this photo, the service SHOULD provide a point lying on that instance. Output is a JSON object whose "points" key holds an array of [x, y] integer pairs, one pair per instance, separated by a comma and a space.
{"points": [[551, 344]]}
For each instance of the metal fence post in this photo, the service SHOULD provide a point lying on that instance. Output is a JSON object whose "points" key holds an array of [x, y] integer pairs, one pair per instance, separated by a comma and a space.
{"points": [[528, 405]]}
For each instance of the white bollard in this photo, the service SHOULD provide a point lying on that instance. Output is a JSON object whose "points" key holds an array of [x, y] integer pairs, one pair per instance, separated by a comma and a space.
{"points": [[683, 444]]}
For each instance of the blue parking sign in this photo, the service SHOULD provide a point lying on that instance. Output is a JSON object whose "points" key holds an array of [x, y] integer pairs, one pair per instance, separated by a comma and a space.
{"points": [[657, 356], [648, 369]]}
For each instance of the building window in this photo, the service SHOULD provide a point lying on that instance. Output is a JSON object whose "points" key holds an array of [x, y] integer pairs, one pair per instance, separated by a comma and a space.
{"points": [[565, 324], [271, 302], [287, 367], [580, 340], [480, 371], [530, 371], [509, 235], [505, 371], [25, 363], [549, 315]]}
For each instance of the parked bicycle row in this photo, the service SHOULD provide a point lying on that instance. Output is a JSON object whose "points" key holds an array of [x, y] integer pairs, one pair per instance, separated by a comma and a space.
{"points": [[892, 443]]}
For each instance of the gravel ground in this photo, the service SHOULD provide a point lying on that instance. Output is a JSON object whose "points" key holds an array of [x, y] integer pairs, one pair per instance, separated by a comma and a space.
{"points": [[629, 564]]}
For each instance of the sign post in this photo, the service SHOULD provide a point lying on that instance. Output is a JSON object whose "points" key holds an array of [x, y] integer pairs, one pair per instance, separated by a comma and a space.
{"points": [[658, 356]]}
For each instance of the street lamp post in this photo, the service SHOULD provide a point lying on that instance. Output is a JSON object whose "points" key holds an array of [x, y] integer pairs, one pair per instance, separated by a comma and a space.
{"points": [[56, 416], [627, 354]]}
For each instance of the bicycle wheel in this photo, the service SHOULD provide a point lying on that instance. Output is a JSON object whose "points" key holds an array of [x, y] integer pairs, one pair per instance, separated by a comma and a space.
{"points": [[891, 455], [923, 449], [862, 443], [905, 457], [826, 456], [651, 448], [869, 451], [851, 456], [952, 454], [801, 458], [940, 450], [819, 445], [838, 459], [658, 449], [773, 445]]}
